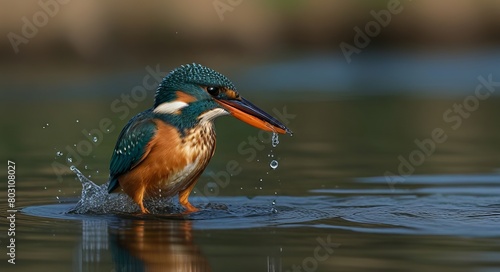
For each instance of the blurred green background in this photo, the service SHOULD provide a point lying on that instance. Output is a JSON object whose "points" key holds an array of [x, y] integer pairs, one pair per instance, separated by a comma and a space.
{"points": [[67, 65], [59, 46], [121, 35], [118, 33], [51, 43]]}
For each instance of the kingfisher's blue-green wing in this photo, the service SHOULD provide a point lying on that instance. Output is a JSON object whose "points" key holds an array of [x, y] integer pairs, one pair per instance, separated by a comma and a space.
{"points": [[130, 147]]}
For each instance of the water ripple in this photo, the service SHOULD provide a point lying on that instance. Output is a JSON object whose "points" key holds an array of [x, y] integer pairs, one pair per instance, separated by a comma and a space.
{"points": [[440, 210]]}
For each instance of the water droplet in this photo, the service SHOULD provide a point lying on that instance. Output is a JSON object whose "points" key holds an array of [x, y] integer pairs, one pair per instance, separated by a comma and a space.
{"points": [[212, 186], [274, 164], [97, 171], [59, 153], [57, 197], [241, 188], [70, 159], [77, 120], [275, 139], [273, 208], [86, 167], [94, 139], [260, 180], [45, 187]]}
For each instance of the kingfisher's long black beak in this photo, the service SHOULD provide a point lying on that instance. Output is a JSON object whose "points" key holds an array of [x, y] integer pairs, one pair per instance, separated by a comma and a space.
{"points": [[251, 114]]}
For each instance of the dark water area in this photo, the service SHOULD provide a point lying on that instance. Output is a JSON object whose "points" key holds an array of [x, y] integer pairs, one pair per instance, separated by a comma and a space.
{"points": [[386, 182]]}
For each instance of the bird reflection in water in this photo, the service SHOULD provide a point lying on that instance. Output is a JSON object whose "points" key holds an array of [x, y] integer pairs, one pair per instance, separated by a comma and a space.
{"points": [[143, 245]]}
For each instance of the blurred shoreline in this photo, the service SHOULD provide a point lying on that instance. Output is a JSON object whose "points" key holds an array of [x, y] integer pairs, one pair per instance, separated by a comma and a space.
{"points": [[71, 48], [124, 31]]}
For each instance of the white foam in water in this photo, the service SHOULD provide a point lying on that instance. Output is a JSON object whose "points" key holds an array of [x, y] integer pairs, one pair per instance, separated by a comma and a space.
{"points": [[96, 200]]}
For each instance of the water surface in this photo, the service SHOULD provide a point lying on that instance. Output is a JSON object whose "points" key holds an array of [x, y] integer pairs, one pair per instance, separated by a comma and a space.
{"points": [[328, 206]]}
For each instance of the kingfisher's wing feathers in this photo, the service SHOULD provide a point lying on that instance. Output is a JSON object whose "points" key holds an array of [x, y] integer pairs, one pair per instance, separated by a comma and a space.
{"points": [[131, 147]]}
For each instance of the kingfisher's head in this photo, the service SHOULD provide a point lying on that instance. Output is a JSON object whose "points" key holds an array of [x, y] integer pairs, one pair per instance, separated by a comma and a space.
{"points": [[195, 92]]}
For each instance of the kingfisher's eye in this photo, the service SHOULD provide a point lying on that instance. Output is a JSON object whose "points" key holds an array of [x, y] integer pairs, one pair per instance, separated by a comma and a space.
{"points": [[213, 90]]}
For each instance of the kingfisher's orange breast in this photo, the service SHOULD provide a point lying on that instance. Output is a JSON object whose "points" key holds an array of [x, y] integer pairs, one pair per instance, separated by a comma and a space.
{"points": [[171, 162]]}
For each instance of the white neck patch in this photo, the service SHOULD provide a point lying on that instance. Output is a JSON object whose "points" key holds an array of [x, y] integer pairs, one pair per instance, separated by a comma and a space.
{"points": [[170, 107], [211, 114]]}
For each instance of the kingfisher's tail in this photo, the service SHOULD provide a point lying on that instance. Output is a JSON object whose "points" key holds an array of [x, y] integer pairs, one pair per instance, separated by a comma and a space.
{"points": [[113, 186]]}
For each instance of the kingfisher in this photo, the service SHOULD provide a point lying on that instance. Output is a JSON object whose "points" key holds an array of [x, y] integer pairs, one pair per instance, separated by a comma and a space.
{"points": [[163, 151]]}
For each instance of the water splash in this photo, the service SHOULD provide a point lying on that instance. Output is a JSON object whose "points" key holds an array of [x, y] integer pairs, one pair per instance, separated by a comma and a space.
{"points": [[95, 199], [273, 208], [93, 196]]}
